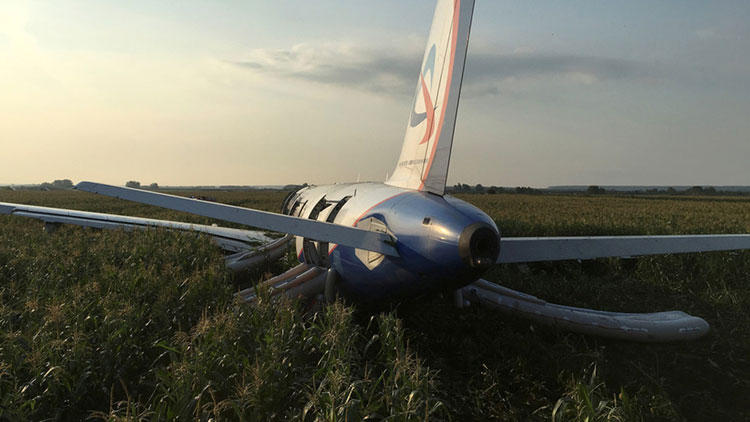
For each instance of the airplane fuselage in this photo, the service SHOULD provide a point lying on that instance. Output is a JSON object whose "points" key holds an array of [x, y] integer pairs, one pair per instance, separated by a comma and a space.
{"points": [[442, 242]]}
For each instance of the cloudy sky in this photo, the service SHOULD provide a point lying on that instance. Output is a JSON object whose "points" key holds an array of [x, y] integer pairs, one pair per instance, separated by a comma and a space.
{"points": [[292, 91]]}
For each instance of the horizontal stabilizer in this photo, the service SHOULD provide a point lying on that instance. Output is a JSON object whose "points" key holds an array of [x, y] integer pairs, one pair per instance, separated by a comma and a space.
{"points": [[531, 249], [649, 327], [312, 229]]}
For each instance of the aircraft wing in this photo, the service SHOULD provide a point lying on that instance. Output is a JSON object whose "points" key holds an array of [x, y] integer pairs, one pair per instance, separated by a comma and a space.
{"points": [[232, 240], [532, 249], [312, 229]]}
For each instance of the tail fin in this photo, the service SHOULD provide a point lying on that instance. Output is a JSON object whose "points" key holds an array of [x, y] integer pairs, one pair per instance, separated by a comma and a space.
{"points": [[426, 153]]}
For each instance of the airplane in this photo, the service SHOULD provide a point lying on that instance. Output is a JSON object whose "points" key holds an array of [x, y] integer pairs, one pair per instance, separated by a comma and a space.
{"points": [[406, 238]]}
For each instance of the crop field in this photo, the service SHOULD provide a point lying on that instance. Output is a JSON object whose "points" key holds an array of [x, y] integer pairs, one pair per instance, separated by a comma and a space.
{"points": [[143, 326]]}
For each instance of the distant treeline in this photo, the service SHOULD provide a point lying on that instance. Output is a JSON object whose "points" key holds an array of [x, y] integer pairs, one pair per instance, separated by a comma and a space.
{"points": [[457, 188], [594, 190], [464, 188], [57, 184]]}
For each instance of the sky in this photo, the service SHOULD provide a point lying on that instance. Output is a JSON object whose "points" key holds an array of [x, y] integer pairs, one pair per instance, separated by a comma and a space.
{"points": [[292, 91]]}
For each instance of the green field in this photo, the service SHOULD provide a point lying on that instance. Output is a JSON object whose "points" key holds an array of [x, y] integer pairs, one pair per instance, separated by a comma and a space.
{"points": [[111, 325]]}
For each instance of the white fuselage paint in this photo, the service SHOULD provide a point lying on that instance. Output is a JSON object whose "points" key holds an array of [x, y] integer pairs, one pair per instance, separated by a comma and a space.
{"points": [[363, 196]]}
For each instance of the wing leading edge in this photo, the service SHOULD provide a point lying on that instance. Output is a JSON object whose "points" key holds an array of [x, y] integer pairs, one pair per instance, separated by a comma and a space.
{"points": [[533, 249]]}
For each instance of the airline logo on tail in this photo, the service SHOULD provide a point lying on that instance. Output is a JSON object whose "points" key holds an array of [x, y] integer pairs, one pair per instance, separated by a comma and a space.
{"points": [[429, 114], [425, 154]]}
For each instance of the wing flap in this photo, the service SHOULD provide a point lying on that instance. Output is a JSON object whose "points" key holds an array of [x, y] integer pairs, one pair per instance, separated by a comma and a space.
{"points": [[312, 229], [532, 249]]}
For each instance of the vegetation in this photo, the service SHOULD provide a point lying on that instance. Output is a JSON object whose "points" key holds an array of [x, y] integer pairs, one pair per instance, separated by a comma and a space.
{"points": [[57, 184], [595, 190], [459, 188], [110, 325]]}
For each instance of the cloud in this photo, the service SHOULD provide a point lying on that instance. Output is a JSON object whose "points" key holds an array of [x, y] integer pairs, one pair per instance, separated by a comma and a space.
{"points": [[394, 71], [345, 65], [489, 66]]}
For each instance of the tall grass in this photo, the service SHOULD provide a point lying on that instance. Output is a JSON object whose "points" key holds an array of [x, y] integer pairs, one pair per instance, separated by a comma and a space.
{"points": [[113, 325]]}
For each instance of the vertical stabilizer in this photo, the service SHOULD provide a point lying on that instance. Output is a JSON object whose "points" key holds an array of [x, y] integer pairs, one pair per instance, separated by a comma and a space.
{"points": [[423, 164]]}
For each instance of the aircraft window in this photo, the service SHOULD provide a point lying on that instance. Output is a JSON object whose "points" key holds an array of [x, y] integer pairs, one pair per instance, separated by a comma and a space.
{"points": [[426, 221]]}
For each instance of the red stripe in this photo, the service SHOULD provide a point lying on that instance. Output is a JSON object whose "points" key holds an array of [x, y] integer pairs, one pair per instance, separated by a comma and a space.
{"points": [[454, 36], [429, 110]]}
